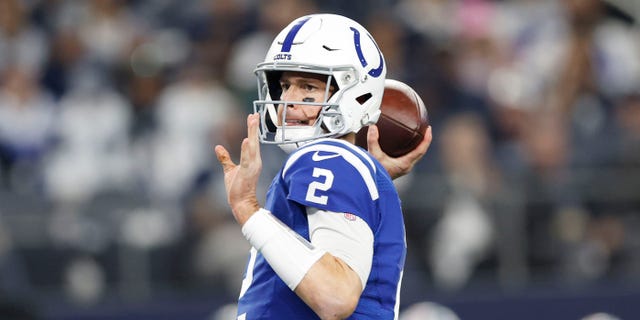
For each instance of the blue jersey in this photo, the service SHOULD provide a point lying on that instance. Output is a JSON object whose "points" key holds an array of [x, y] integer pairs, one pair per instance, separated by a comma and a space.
{"points": [[337, 176]]}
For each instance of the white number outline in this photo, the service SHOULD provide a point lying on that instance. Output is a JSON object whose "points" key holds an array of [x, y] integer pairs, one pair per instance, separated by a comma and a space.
{"points": [[320, 186]]}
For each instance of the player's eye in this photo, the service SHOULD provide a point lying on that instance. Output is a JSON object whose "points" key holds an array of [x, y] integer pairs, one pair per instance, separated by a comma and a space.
{"points": [[284, 86]]}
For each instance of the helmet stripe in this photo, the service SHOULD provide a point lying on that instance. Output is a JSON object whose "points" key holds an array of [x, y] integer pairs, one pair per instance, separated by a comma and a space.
{"points": [[377, 71], [288, 41], [356, 40]]}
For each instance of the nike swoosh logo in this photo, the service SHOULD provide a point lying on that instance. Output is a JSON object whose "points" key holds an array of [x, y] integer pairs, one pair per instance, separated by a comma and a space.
{"points": [[329, 49], [317, 157]]}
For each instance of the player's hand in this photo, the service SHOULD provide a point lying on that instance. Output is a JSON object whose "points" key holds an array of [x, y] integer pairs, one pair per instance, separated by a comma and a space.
{"points": [[397, 167], [241, 180]]}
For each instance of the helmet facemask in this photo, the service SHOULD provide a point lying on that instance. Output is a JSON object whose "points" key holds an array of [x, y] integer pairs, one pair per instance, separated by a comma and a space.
{"points": [[330, 121]]}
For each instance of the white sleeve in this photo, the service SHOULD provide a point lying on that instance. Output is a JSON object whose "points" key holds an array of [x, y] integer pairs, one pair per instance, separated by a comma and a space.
{"points": [[345, 236]]}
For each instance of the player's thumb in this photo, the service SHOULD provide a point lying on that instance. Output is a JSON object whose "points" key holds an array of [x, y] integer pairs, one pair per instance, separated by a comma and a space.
{"points": [[223, 157], [372, 139]]}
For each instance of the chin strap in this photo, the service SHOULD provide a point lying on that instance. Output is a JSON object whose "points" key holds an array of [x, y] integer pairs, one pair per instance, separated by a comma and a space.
{"points": [[295, 134], [290, 147]]}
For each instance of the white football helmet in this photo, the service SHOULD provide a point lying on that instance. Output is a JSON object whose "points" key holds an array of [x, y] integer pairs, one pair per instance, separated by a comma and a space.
{"points": [[331, 45]]}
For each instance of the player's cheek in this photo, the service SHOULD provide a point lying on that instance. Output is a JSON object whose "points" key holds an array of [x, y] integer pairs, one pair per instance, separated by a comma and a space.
{"points": [[312, 112]]}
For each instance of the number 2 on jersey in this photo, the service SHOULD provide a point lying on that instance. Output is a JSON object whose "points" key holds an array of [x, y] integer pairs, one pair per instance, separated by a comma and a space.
{"points": [[316, 186]]}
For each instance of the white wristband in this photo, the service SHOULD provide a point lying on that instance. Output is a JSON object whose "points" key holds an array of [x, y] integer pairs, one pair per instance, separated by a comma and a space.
{"points": [[290, 255]]}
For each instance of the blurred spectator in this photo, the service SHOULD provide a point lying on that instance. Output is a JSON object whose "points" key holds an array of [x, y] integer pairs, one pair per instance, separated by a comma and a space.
{"points": [[143, 92], [394, 38], [154, 62], [596, 48], [193, 114], [27, 120], [68, 64], [92, 153], [548, 178], [464, 234], [108, 29], [22, 44], [431, 17], [93, 39], [220, 24], [216, 253], [626, 151]]}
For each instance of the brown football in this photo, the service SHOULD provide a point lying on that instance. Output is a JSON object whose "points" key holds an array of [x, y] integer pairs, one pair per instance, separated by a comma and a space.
{"points": [[403, 120]]}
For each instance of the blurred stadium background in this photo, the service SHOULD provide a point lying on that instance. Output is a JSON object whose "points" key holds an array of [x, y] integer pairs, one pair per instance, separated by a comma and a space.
{"points": [[527, 205]]}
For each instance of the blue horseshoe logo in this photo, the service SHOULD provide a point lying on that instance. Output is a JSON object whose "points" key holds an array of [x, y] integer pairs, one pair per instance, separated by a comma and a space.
{"points": [[356, 40]]}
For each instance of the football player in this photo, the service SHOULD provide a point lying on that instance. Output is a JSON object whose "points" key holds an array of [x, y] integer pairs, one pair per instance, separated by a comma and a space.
{"points": [[329, 240]]}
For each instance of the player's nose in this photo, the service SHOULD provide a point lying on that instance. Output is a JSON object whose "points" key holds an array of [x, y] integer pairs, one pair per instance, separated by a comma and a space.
{"points": [[292, 95]]}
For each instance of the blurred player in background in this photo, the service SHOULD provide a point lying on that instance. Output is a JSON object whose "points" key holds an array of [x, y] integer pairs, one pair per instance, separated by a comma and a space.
{"points": [[329, 241]]}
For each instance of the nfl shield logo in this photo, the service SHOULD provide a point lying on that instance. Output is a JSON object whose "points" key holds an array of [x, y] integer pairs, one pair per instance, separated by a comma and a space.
{"points": [[350, 216]]}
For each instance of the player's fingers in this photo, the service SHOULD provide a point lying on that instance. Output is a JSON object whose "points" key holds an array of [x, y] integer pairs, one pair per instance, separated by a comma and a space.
{"points": [[421, 149], [373, 144], [252, 126], [253, 145], [426, 141], [223, 157], [245, 153]]}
